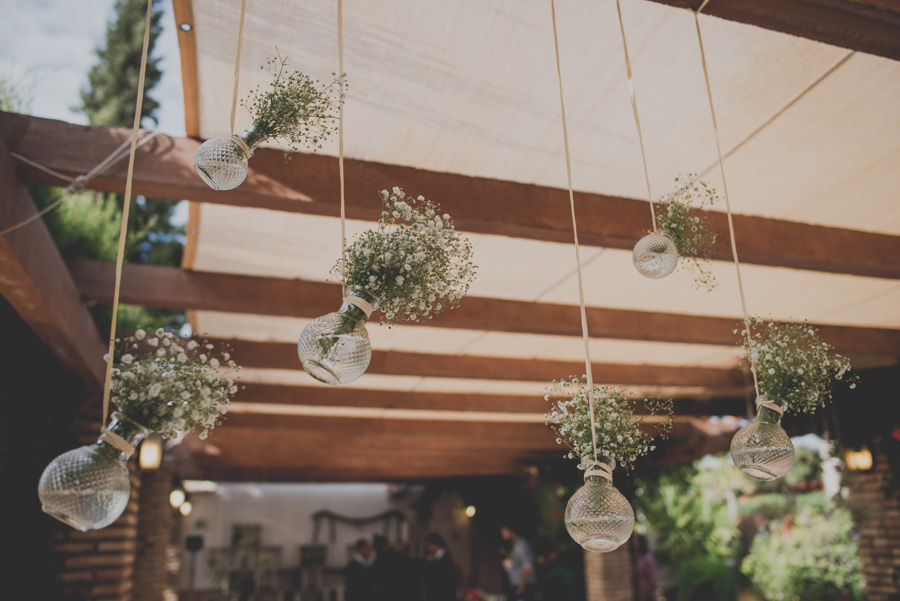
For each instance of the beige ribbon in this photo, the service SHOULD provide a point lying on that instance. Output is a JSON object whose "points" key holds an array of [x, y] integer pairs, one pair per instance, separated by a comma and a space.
{"points": [[237, 64], [362, 303], [123, 230], [634, 108], [584, 326], [340, 35], [763, 401], [598, 468], [734, 252], [116, 441]]}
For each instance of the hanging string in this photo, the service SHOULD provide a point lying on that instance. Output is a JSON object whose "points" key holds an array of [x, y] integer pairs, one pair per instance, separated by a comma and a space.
{"points": [[340, 34], [76, 184], [123, 230], [237, 64], [734, 252], [584, 326], [634, 108]]}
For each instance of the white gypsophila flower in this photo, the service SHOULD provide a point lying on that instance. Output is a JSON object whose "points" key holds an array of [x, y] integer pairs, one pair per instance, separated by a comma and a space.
{"points": [[615, 427], [792, 364], [414, 263], [160, 388]]}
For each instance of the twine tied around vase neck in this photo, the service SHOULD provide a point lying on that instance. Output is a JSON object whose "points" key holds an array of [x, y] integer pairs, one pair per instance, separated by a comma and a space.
{"points": [[595, 467], [361, 303], [764, 401], [116, 441]]}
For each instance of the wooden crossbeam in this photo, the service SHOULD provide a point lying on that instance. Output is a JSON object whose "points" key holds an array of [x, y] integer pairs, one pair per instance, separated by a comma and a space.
{"points": [[391, 399], [871, 27], [35, 281], [174, 288], [277, 355], [309, 184]]}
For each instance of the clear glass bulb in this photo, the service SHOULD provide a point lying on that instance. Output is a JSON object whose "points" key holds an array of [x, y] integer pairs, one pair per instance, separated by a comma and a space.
{"points": [[598, 516], [335, 348], [762, 449], [655, 255], [88, 488], [223, 163]]}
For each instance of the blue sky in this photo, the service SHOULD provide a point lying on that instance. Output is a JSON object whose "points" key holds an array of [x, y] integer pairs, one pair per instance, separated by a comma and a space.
{"points": [[48, 47]]}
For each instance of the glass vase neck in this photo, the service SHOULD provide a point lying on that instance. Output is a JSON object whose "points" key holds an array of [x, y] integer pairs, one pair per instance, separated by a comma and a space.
{"points": [[252, 137], [599, 470], [666, 234], [129, 431], [358, 293], [765, 409]]}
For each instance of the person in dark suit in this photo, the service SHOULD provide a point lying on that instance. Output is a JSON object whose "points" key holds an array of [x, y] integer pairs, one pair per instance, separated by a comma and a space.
{"points": [[439, 570], [358, 575], [396, 575]]}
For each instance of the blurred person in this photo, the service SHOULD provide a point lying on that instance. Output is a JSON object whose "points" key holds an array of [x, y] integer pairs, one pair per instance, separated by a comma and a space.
{"points": [[439, 570], [397, 577], [521, 571], [647, 572], [358, 574]]}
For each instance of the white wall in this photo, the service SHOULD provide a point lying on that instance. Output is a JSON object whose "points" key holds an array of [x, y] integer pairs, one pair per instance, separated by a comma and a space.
{"points": [[285, 513]]}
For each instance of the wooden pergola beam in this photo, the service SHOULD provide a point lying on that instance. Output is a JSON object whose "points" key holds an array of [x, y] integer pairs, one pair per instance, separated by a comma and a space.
{"points": [[278, 355], [309, 184], [173, 288], [36, 282], [392, 399], [871, 27]]}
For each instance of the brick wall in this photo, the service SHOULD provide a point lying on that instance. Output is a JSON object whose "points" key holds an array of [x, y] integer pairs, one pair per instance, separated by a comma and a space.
{"points": [[608, 576], [878, 523], [157, 557]]}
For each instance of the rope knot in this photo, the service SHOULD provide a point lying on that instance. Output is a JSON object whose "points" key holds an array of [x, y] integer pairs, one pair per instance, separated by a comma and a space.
{"points": [[77, 185]]}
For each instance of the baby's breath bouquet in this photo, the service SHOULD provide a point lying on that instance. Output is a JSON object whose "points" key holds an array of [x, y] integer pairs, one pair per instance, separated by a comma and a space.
{"points": [[296, 108], [414, 263], [170, 384], [619, 433], [678, 214], [792, 363]]}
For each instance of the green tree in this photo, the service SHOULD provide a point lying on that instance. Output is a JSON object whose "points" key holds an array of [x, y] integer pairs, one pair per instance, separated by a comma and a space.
{"points": [[15, 97], [86, 225], [113, 81]]}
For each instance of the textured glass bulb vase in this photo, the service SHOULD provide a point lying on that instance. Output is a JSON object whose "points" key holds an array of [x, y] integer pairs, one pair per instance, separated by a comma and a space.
{"points": [[598, 516], [655, 255], [88, 488], [762, 449], [335, 348], [223, 163]]}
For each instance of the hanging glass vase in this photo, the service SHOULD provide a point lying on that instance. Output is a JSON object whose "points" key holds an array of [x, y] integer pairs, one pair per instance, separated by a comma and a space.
{"points": [[88, 488], [223, 163], [335, 348], [598, 516], [762, 449], [655, 255]]}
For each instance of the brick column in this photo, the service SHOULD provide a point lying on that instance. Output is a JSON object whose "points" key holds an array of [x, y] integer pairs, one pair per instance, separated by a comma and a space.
{"points": [[878, 522], [154, 565], [98, 565], [608, 576]]}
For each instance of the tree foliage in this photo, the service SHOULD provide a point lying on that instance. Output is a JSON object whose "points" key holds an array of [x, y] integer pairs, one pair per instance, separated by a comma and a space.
{"points": [[813, 556], [112, 86]]}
